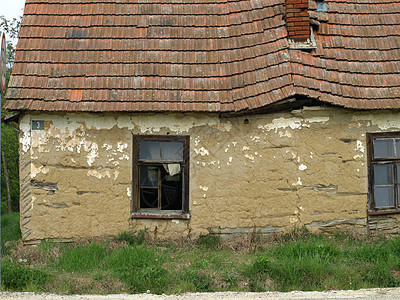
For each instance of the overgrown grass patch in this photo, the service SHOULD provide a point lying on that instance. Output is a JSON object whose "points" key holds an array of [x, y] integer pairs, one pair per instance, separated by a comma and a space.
{"points": [[10, 231], [19, 277], [131, 263]]}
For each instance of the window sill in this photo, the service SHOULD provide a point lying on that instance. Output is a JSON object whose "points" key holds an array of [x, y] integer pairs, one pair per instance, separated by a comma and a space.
{"points": [[167, 215], [382, 212]]}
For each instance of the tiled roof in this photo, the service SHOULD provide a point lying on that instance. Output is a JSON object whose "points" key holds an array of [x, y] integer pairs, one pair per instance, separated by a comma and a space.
{"points": [[201, 55]]}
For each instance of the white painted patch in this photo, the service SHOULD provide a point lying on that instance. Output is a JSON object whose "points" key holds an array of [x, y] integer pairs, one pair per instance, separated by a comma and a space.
{"points": [[203, 188], [302, 167], [121, 146], [249, 156], [317, 120], [177, 123], [196, 140], [175, 221], [106, 146], [298, 182], [245, 148], [360, 146], [128, 192], [36, 170], [25, 134], [282, 123], [292, 123], [202, 151], [99, 174], [384, 121], [92, 154], [234, 144], [285, 134], [230, 159]]}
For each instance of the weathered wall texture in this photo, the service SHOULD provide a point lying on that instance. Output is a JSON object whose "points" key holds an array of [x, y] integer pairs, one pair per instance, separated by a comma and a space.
{"points": [[307, 167]]}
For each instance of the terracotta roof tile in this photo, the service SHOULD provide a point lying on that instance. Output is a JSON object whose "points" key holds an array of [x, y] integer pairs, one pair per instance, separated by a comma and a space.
{"points": [[201, 55]]}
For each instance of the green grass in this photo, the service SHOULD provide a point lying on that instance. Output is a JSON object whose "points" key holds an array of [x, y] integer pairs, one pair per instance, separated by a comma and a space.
{"points": [[10, 232], [131, 263]]}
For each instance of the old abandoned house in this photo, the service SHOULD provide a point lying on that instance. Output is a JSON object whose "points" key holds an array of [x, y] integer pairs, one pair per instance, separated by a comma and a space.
{"points": [[196, 116]]}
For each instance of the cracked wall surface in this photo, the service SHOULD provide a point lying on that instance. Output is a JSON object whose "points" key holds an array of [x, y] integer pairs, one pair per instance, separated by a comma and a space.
{"points": [[267, 173]]}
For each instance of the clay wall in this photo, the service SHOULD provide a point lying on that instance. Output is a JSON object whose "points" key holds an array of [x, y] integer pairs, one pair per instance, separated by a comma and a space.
{"points": [[267, 173]]}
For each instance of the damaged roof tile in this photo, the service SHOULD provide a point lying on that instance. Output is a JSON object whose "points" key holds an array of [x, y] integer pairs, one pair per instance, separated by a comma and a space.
{"points": [[201, 55]]}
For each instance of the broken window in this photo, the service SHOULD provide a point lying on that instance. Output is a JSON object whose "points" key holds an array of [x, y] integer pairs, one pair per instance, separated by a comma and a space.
{"points": [[160, 174], [384, 169]]}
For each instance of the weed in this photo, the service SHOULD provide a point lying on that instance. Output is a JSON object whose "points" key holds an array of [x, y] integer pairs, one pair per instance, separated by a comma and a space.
{"points": [[200, 282], [209, 241], [133, 237]]}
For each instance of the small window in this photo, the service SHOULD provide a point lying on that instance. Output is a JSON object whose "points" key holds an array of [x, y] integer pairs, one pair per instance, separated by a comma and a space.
{"points": [[384, 172], [160, 175], [321, 6]]}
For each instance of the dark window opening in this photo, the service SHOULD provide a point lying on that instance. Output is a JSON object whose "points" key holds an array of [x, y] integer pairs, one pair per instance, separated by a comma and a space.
{"points": [[160, 173], [384, 171]]}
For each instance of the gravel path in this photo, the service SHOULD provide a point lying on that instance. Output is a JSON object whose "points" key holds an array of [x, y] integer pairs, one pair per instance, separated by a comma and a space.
{"points": [[392, 293]]}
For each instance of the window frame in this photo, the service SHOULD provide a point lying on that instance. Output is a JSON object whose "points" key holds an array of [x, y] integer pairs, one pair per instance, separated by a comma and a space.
{"points": [[394, 162], [155, 213]]}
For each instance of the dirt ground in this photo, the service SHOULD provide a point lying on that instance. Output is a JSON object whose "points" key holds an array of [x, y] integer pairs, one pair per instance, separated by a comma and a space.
{"points": [[392, 293]]}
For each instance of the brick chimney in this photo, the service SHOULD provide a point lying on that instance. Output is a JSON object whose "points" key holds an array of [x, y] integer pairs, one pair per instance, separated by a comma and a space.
{"points": [[297, 20]]}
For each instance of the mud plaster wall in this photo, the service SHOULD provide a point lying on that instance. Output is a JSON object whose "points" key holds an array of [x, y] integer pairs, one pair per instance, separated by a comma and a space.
{"points": [[307, 167]]}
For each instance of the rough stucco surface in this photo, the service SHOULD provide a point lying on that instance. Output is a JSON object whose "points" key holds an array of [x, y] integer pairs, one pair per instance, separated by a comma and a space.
{"points": [[307, 167]]}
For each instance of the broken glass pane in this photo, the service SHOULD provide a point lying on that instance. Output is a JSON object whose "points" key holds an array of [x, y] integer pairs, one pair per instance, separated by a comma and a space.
{"points": [[383, 174], [383, 148], [148, 176], [150, 150], [383, 196], [172, 151], [148, 198], [171, 191]]}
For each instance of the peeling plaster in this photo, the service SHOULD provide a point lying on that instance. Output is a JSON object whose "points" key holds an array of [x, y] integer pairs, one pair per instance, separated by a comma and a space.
{"points": [[383, 121], [41, 169], [292, 123], [302, 167], [99, 174], [25, 136], [92, 154], [202, 151]]}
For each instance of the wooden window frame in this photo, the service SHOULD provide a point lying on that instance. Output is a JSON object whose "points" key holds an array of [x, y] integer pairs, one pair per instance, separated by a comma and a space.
{"points": [[394, 161], [158, 213]]}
